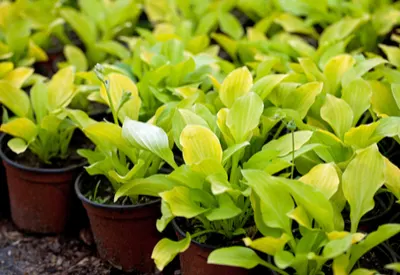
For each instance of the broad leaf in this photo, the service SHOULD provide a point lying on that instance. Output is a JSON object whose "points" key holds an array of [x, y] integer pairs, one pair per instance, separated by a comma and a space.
{"points": [[76, 57], [236, 84], [200, 143], [244, 116], [383, 102], [166, 250], [338, 114], [17, 145], [235, 256], [324, 178], [363, 176], [21, 128], [268, 245], [61, 89], [148, 137], [226, 209], [18, 76], [39, 100], [358, 95], [230, 25], [14, 99]]}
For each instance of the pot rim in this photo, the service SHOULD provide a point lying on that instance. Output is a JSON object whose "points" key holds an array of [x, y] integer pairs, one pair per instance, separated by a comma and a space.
{"points": [[78, 192], [183, 234], [14, 164]]}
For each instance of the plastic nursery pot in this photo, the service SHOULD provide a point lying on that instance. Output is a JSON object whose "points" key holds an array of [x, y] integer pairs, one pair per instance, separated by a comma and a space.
{"points": [[40, 198], [194, 259], [125, 235]]}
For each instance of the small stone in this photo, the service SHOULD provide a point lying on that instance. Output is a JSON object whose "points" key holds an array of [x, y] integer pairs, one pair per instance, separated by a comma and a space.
{"points": [[9, 253]]}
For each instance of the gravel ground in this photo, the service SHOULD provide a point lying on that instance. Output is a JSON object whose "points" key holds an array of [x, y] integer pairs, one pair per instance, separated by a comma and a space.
{"points": [[22, 254]]}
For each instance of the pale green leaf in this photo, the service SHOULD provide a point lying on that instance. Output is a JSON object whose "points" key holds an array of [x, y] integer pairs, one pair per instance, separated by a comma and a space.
{"points": [[324, 178], [284, 144], [268, 244], [358, 95], [338, 114], [226, 209], [81, 24], [362, 178], [235, 256], [14, 99], [76, 57], [264, 86], [21, 128], [148, 137], [232, 150], [392, 53], [17, 145], [166, 250], [61, 89], [230, 25], [335, 69], [18, 76], [235, 85], [39, 100], [244, 116], [382, 101], [113, 48]]}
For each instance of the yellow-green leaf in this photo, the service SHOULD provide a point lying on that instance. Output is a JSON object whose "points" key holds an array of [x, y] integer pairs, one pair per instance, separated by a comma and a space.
{"points": [[14, 99], [18, 76], [61, 88], [392, 178], [166, 250], [17, 145], [324, 178], [5, 67], [363, 176], [382, 101], [334, 70], [22, 128], [392, 53], [268, 245], [199, 143], [236, 84], [358, 95], [338, 114], [76, 57]]}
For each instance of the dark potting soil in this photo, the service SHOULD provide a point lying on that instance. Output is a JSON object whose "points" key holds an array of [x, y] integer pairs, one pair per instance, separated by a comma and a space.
{"points": [[31, 160], [99, 189], [377, 258]]}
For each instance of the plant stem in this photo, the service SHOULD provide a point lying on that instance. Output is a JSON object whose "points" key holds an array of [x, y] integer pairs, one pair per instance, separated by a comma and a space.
{"points": [[278, 132], [292, 170]]}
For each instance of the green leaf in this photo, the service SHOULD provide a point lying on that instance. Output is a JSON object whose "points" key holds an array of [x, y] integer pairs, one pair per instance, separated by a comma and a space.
{"points": [[360, 69], [340, 30], [182, 118], [84, 27], [303, 98], [338, 114], [183, 202], [275, 201], [200, 143], [113, 48], [324, 178], [226, 209], [230, 25], [392, 178], [363, 271], [358, 95], [284, 259], [235, 85], [76, 57], [232, 150], [14, 99], [39, 100], [17, 145], [21, 128], [219, 183], [61, 89], [148, 137], [207, 23], [314, 201], [18, 76], [229, 45], [244, 116], [363, 176], [235, 256], [337, 247], [150, 186], [396, 93], [383, 233], [336, 67], [393, 266], [268, 244], [293, 24], [264, 86], [392, 53], [383, 101], [284, 144], [166, 250]]}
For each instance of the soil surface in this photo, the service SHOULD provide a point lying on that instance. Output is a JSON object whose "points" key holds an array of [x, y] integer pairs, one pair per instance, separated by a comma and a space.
{"points": [[22, 254]]}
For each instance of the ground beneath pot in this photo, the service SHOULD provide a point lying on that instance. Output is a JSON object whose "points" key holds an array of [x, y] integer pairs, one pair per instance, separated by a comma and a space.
{"points": [[22, 254]]}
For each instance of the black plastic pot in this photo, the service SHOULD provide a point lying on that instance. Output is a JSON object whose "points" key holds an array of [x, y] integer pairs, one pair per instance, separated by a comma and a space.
{"points": [[125, 235], [40, 198]]}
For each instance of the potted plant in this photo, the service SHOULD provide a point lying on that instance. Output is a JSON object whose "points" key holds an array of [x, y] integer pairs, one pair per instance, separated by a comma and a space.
{"points": [[40, 160], [209, 205], [312, 201], [124, 228]]}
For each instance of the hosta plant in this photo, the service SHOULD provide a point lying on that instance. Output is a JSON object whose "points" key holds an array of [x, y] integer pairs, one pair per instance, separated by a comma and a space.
{"points": [[98, 22], [114, 157], [304, 229], [40, 124]]}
